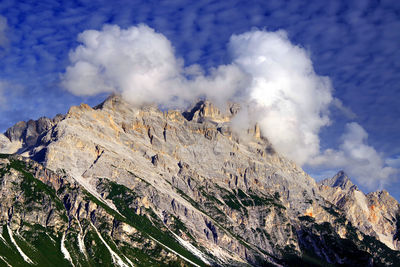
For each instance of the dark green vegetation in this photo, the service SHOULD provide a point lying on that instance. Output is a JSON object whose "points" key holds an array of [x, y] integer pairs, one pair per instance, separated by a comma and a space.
{"points": [[34, 189], [322, 246], [37, 243]]}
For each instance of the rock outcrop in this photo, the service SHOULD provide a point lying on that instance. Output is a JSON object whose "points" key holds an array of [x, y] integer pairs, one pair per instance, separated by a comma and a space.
{"points": [[24, 135]]}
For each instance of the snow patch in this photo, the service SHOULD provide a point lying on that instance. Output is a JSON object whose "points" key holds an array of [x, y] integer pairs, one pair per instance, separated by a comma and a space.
{"points": [[81, 243], [64, 250], [116, 259], [129, 261], [52, 240], [2, 239], [23, 255], [173, 251], [186, 244], [191, 248], [3, 259]]}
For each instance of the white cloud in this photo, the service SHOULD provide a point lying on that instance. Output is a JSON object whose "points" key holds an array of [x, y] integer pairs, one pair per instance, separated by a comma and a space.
{"points": [[138, 62], [141, 65], [357, 158], [288, 99], [9, 90], [272, 78]]}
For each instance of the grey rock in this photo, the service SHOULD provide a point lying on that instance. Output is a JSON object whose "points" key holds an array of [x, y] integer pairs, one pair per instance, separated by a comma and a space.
{"points": [[339, 180], [230, 192], [27, 133]]}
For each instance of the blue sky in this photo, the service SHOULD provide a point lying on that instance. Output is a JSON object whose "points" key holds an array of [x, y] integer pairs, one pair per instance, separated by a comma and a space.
{"points": [[355, 43]]}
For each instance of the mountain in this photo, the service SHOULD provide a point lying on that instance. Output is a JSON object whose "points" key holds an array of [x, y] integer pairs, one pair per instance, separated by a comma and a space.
{"points": [[122, 185], [375, 214]]}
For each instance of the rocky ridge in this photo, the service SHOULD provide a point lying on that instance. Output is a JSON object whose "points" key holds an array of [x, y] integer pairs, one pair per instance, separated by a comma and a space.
{"points": [[375, 214], [226, 198]]}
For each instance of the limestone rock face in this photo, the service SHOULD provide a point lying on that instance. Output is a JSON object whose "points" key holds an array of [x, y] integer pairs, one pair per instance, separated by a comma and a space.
{"points": [[4, 144], [340, 180], [224, 197]]}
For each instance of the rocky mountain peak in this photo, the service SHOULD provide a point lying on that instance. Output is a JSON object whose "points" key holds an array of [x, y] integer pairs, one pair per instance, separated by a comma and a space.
{"points": [[26, 133], [340, 180], [206, 110]]}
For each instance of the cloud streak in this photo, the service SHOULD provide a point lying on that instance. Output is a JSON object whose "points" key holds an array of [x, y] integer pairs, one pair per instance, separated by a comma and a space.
{"points": [[3, 29], [3, 45], [273, 79], [2, 97]]}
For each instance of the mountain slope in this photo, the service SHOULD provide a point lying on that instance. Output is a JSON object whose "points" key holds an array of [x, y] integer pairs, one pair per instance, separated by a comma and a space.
{"points": [[375, 214], [187, 188], [54, 221]]}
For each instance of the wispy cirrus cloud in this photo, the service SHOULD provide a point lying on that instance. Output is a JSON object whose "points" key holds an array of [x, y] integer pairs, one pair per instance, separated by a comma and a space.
{"points": [[2, 98], [3, 29], [3, 46]]}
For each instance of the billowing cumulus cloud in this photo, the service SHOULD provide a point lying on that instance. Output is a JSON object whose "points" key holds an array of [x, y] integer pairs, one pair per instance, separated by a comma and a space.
{"points": [[290, 100], [273, 79], [141, 65], [137, 62]]}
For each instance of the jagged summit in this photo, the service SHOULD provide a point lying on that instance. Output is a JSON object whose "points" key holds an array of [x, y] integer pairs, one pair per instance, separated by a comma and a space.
{"points": [[185, 184], [339, 180], [204, 109], [24, 135], [109, 100]]}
